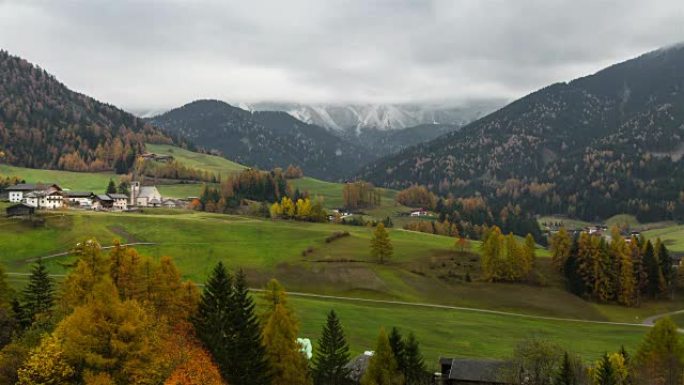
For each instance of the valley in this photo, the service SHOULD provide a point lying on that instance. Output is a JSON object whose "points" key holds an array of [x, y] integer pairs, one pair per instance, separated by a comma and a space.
{"points": [[425, 268]]}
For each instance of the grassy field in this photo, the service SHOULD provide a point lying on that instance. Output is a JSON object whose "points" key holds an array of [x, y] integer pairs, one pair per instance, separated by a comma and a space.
{"points": [[76, 181], [452, 333], [212, 163], [672, 236], [424, 268]]}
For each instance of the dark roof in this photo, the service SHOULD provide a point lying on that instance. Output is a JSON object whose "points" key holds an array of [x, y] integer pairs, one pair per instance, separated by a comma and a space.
{"points": [[357, 366], [103, 197], [78, 194], [19, 209], [118, 196], [22, 187], [468, 369]]}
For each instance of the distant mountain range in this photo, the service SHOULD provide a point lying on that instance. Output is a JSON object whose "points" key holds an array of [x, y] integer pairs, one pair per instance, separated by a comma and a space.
{"points": [[43, 124], [264, 139], [268, 139], [357, 117], [603, 144]]}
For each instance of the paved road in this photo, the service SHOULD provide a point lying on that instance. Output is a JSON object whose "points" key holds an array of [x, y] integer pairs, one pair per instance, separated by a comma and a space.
{"points": [[650, 321]]}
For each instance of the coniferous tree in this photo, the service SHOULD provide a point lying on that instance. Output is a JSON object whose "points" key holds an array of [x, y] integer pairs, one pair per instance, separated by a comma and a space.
{"points": [[111, 187], [573, 278], [665, 263], [213, 319], [381, 246], [653, 271], [39, 293], [397, 344], [566, 373], [605, 373], [561, 245], [415, 372], [332, 355], [249, 365], [288, 364], [382, 368], [660, 357]]}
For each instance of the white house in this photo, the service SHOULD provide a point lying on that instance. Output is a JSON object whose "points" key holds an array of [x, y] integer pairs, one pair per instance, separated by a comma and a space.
{"points": [[419, 213], [39, 196], [120, 201], [17, 192], [48, 200], [144, 196]]}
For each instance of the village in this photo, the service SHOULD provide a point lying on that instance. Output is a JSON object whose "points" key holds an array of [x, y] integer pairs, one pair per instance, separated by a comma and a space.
{"points": [[27, 198]]}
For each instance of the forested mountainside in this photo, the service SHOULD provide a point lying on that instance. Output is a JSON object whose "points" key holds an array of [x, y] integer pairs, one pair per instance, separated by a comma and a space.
{"points": [[596, 146], [385, 142], [43, 124], [264, 139]]}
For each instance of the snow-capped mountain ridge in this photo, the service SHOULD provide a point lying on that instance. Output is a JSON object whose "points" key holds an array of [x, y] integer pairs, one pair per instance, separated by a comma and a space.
{"points": [[379, 116]]}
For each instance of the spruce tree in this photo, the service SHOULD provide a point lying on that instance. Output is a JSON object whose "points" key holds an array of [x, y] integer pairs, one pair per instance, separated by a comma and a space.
{"points": [[212, 321], [566, 374], [415, 371], [111, 187], [382, 367], [397, 344], [249, 365], [38, 294], [332, 354], [381, 246], [653, 271], [665, 262], [605, 373]]}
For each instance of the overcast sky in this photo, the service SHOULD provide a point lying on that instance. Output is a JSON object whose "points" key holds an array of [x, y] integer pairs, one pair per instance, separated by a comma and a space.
{"points": [[160, 54]]}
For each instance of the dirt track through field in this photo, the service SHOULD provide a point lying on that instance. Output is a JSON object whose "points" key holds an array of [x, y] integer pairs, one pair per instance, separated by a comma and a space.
{"points": [[429, 305], [65, 253]]}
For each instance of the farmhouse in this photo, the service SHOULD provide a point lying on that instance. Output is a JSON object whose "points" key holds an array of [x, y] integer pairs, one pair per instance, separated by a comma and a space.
{"points": [[457, 371], [49, 200], [19, 192], [119, 201], [419, 213], [102, 202], [20, 209], [80, 199]]}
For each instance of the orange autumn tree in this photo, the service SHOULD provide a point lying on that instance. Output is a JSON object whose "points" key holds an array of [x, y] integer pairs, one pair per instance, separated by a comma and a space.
{"points": [[191, 363]]}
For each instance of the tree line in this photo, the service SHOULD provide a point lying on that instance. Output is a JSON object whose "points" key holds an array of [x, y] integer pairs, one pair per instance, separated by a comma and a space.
{"points": [[468, 216], [360, 195], [250, 184], [302, 210], [624, 271], [505, 259], [658, 360]]}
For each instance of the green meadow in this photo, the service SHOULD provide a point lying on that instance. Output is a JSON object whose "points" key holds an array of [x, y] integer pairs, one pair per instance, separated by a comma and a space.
{"points": [[425, 268]]}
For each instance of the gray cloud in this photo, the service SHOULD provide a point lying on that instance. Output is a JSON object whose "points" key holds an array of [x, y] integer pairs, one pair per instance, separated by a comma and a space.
{"points": [[160, 54]]}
